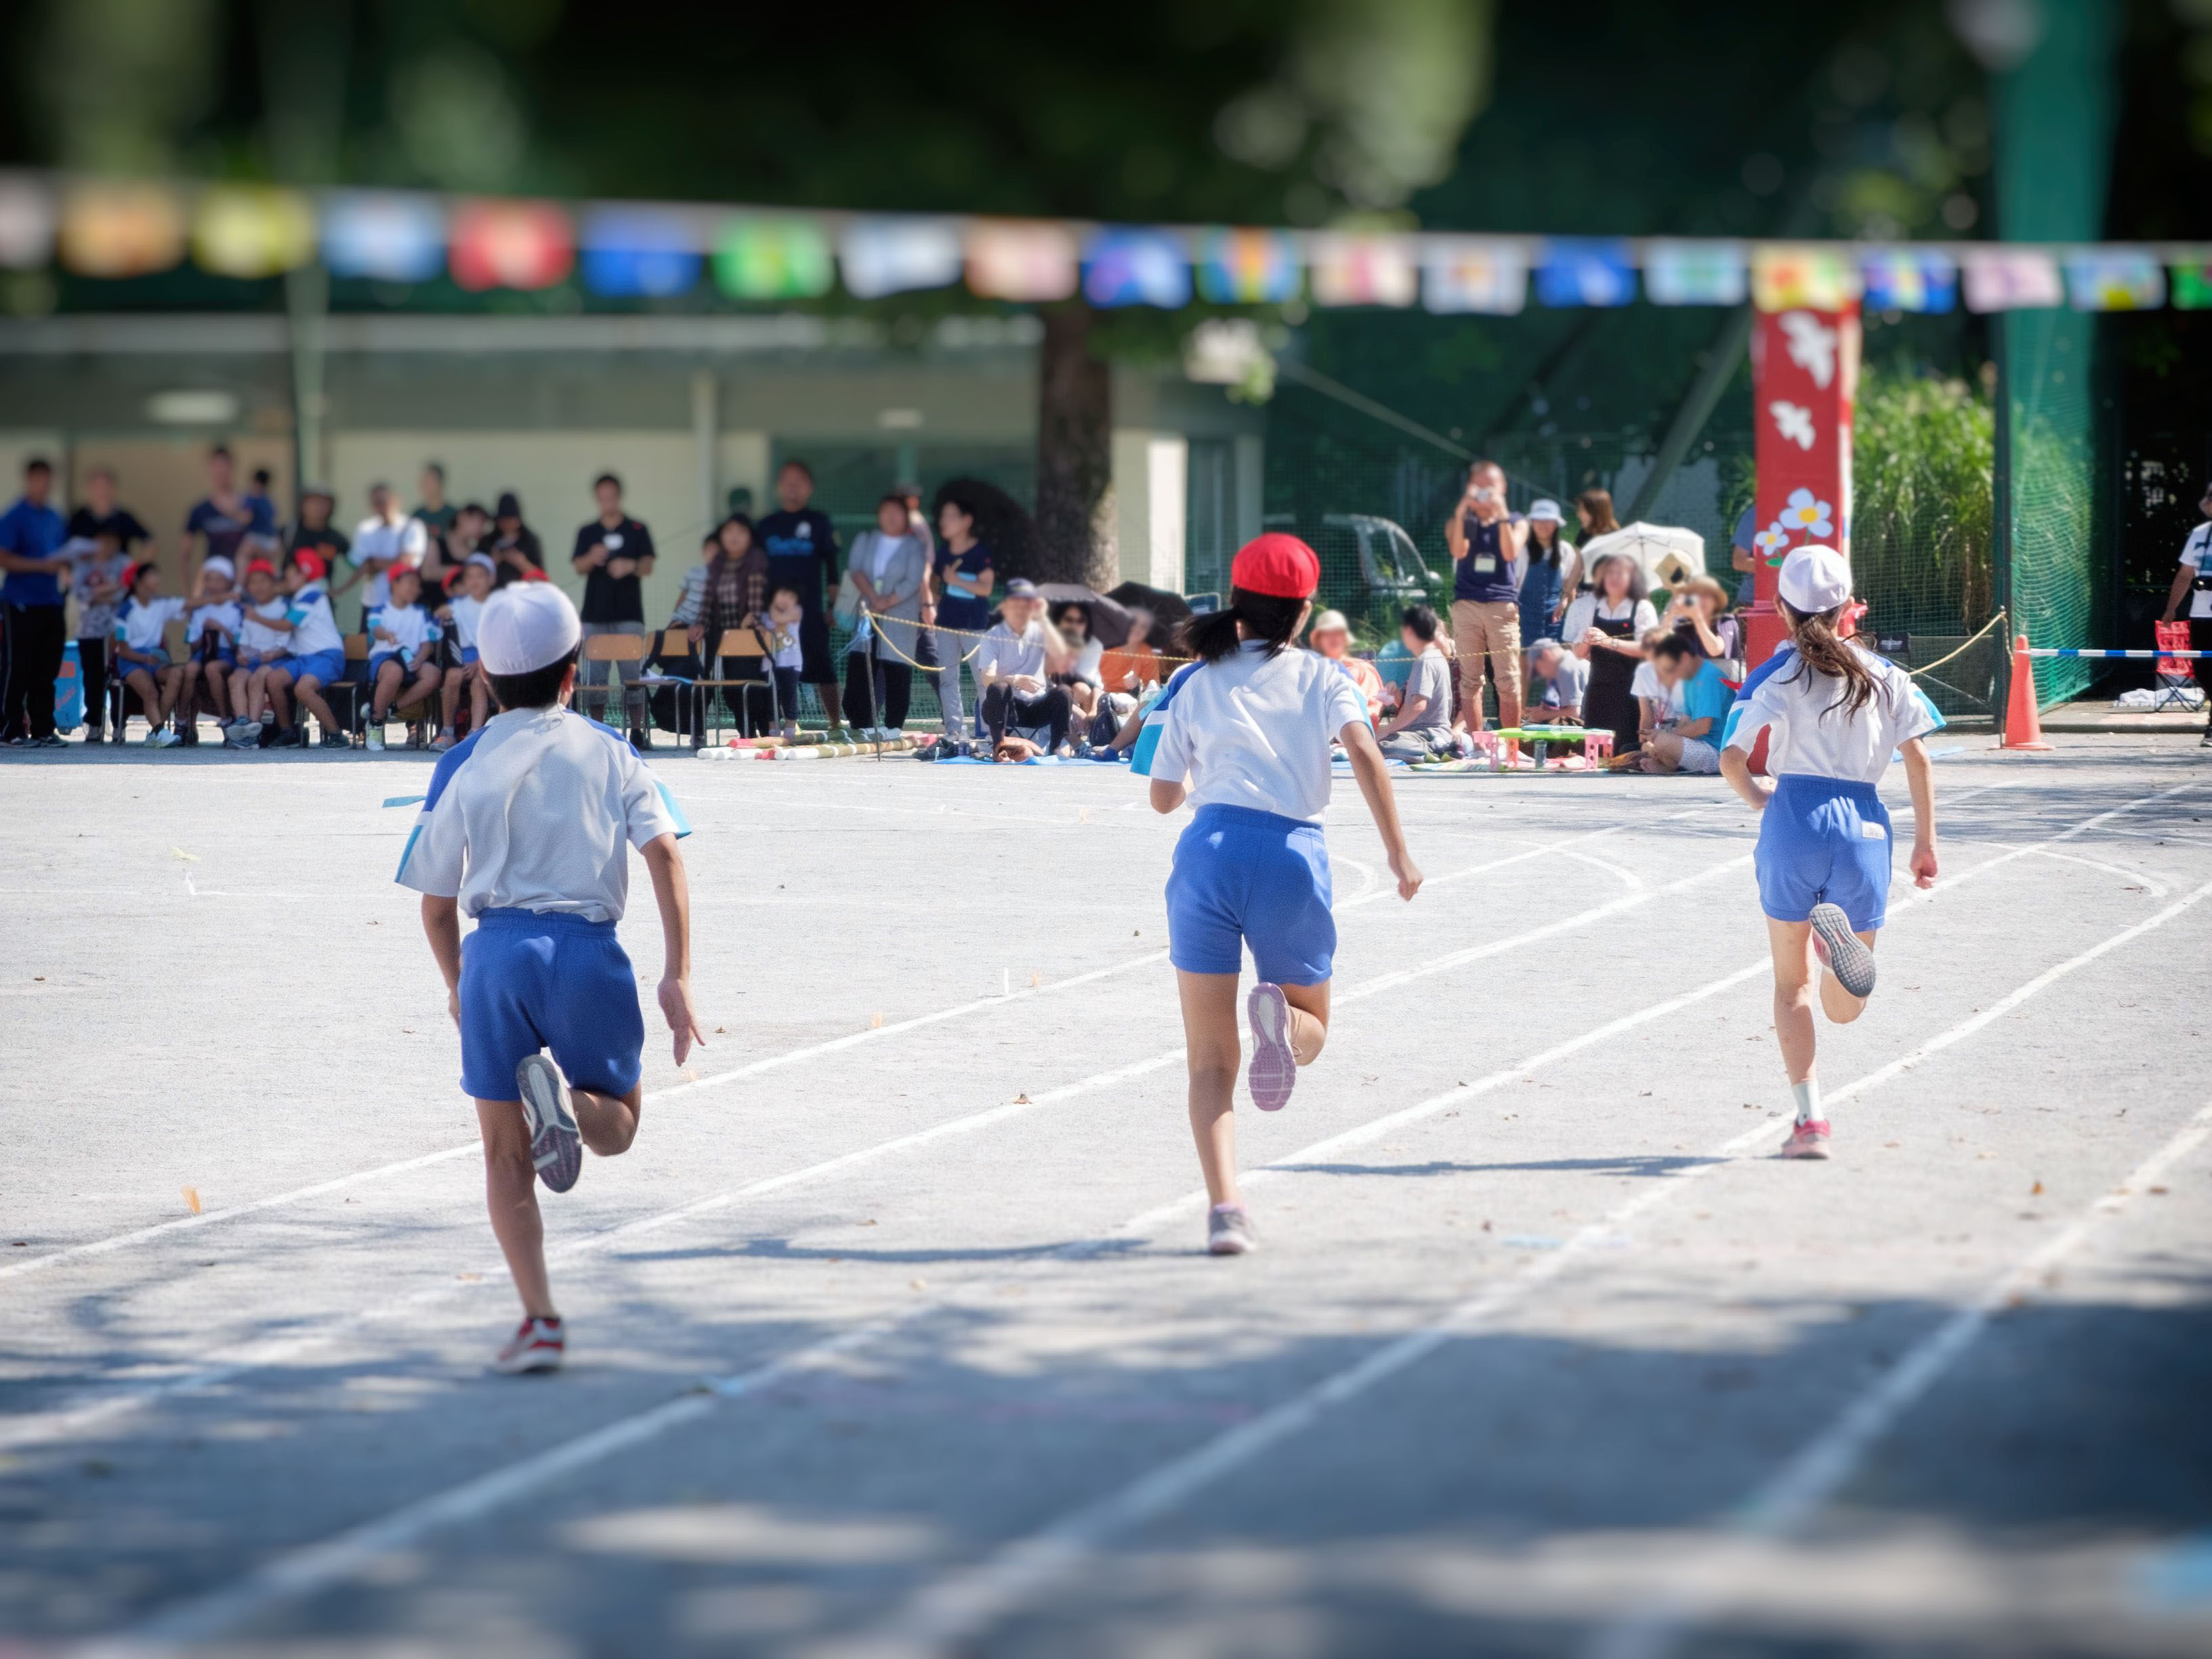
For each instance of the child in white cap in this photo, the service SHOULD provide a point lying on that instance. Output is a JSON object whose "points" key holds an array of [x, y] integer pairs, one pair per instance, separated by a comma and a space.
{"points": [[527, 828], [1837, 711]]}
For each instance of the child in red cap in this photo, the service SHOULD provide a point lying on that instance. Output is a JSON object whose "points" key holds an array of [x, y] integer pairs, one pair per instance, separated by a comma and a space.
{"points": [[1247, 743]]}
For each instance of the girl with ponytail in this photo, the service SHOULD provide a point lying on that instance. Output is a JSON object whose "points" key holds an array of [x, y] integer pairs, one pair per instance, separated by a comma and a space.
{"points": [[1837, 711], [1246, 740]]}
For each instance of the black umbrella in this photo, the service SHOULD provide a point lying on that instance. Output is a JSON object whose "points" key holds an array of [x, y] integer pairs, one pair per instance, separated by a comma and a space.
{"points": [[1110, 621]]}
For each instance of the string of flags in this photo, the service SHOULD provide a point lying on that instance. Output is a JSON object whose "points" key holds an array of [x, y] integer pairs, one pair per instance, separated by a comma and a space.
{"points": [[639, 251]]}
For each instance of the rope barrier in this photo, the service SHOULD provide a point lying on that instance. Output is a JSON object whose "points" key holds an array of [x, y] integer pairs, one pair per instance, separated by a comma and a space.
{"points": [[877, 631], [1961, 651]]}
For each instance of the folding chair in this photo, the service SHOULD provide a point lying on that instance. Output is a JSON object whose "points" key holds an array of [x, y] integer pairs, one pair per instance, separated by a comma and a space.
{"points": [[663, 702], [354, 688], [735, 642], [2174, 675], [625, 652]]}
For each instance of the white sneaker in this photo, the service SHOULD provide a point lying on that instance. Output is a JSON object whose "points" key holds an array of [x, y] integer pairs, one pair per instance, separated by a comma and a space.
{"points": [[537, 1345], [164, 739], [375, 733]]}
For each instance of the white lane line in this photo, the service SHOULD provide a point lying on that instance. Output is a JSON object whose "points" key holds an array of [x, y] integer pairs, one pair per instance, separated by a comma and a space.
{"points": [[756, 1068], [2150, 883], [311, 1569], [954, 1611], [1800, 1489], [104, 1404]]}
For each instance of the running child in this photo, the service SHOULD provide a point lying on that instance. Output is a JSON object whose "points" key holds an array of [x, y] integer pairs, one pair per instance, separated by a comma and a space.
{"points": [[523, 830], [142, 656], [1835, 713], [459, 616], [211, 647], [1246, 741], [403, 658], [262, 635]]}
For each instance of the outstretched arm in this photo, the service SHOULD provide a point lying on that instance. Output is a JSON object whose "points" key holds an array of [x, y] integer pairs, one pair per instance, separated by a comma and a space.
{"points": [[672, 890], [1373, 773]]}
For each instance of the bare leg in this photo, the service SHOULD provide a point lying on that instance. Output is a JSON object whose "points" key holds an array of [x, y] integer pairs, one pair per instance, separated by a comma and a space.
{"points": [[171, 678], [278, 683], [832, 704], [1839, 1005], [188, 692], [1212, 1045], [388, 676], [426, 682], [218, 691], [511, 1195], [141, 680], [1309, 1019], [608, 1123], [449, 699], [1792, 943], [479, 698], [311, 699], [1662, 753]]}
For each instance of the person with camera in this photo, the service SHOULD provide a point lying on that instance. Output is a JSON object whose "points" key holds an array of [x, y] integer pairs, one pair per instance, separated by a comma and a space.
{"points": [[1485, 611]]}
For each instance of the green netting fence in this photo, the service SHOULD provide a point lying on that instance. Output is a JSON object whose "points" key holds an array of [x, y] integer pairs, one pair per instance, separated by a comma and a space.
{"points": [[2059, 590]]}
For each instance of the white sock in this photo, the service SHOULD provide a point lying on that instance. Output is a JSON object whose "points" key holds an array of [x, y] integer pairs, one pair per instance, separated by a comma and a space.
{"points": [[1807, 1096]]}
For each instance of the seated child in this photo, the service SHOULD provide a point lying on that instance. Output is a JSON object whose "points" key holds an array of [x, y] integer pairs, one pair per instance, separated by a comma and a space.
{"points": [[142, 659], [1701, 699], [476, 578], [316, 658], [1655, 708], [784, 615], [262, 639], [211, 647], [403, 657], [1421, 729]]}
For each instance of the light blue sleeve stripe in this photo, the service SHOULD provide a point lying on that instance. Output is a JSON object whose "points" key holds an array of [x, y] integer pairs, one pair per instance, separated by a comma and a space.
{"points": [[408, 851], [668, 801]]}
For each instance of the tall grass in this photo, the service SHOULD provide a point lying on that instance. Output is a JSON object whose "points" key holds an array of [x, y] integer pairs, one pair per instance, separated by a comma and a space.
{"points": [[1923, 458]]}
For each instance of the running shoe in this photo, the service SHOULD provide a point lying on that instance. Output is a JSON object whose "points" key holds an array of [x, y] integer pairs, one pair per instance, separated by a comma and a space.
{"points": [[331, 739], [375, 732], [443, 742], [1842, 952], [557, 1147], [52, 740], [1808, 1139], [536, 1348], [2205, 742], [164, 739], [1229, 1232], [1274, 1068]]}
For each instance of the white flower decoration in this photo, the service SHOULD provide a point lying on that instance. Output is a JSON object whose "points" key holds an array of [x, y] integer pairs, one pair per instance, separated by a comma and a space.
{"points": [[1805, 513], [1793, 420]]}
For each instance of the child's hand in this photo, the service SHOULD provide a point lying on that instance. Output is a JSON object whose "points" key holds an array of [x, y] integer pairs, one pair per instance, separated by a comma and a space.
{"points": [[676, 1009], [1923, 865], [453, 1004], [1408, 874]]}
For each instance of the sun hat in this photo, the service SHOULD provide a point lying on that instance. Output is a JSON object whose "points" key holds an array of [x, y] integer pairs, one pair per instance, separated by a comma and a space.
{"points": [[1278, 565], [1814, 579], [1545, 511], [1328, 622], [526, 627]]}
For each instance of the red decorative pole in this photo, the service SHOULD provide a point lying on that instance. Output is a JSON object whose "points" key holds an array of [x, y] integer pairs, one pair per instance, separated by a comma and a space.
{"points": [[1804, 378]]}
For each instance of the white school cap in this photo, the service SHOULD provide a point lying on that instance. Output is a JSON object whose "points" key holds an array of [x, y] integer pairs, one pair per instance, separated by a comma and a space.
{"points": [[524, 627], [216, 562], [1814, 579]]}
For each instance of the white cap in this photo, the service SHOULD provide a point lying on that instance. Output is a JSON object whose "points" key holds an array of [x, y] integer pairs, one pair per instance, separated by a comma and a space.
{"points": [[526, 626], [1545, 511], [1814, 579], [1326, 621], [216, 562]]}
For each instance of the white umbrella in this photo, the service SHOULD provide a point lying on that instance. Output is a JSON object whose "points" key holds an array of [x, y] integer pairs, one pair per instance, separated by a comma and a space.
{"points": [[1668, 554]]}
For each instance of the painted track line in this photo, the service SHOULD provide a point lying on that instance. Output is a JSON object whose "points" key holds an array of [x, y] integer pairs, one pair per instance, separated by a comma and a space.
{"points": [[956, 1604]]}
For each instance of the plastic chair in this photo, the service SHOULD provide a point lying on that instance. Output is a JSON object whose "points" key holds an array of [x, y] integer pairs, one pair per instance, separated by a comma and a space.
{"points": [[613, 649], [735, 642]]}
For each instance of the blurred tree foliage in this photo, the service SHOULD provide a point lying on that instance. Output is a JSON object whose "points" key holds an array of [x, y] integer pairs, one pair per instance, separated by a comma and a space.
{"points": [[1923, 449]]}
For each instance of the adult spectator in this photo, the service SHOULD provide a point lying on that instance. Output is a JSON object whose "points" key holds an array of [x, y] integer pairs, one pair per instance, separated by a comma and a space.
{"points": [[512, 545], [1486, 609], [614, 555], [1700, 700], [733, 593], [385, 537], [1135, 663], [1602, 629], [889, 567], [1422, 726], [314, 533], [471, 526], [964, 581], [1080, 669], [101, 520], [436, 513], [1010, 669], [1330, 636], [1699, 612], [223, 519], [31, 538], [801, 545], [113, 531], [2192, 581], [1562, 681], [1546, 556], [1593, 511], [1743, 556]]}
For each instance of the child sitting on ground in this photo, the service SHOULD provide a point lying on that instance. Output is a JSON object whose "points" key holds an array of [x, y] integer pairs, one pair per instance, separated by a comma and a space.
{"points": [[476, 579], [785, 613], [1655, 708], [402, 641], [141, 657], [1699, 700], [262, 639], [1421, 729], [211, 648]]}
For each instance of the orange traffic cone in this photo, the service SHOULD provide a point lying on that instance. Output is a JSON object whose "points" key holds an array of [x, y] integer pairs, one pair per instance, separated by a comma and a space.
{"points": [[2022, 728]]}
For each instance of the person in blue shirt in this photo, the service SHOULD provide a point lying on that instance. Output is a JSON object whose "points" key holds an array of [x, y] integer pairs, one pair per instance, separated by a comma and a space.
{"points": [[31, 536], [1691, 742]]}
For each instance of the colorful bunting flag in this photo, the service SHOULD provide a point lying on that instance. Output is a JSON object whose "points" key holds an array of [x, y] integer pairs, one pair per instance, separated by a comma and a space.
{"points": [[26, 222], [506, 243], [773, 259], [2115, 279], [1462, 274], [384, 237], [1585, 272], [1694, 273], [2011, 279], [1351, 269], [2192, 285], [121, 230], [639, 253], [1020, 259], [1247, 267], [1909, 279], [1136, 268], [1788, 278], [251, 231], [896, 256]]}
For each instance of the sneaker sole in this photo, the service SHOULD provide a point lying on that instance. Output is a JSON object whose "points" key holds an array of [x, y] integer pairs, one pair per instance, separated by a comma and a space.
{"points": [[1274, 1069], [1848, 959], [1816, 1150], [531, 1362], [556, 1146], [1228, 1247]]}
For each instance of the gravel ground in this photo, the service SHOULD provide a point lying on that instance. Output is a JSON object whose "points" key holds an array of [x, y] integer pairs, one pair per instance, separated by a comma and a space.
{"points": [[892, 1336]]}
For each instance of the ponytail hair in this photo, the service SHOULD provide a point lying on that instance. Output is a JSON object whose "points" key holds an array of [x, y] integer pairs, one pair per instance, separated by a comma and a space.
{"points": [[1821, 651], [1214, 634]]}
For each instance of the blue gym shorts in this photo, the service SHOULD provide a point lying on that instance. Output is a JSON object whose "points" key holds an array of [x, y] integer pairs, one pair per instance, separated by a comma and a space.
{"points": [[376, 665], [533, 980], [1244, 877], [1824, 840], [327, 666]]}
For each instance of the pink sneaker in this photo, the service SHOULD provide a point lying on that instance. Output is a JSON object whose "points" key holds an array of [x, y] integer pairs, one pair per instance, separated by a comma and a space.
{"points": [[1274, 1068], [1808, 1140]]}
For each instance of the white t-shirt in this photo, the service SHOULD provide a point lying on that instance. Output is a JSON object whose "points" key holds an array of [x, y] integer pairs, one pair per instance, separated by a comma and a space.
{"points": [[314, 628], [466, 612], [252, 636], [1253, 730], [1087, 658], [537, 812], [2196, 556], [140, 623], [1645, 682], [224, 614], [406, 543], [411, 628], [786, 652], [1586, 610], [1808, 742], [1006, 653]]}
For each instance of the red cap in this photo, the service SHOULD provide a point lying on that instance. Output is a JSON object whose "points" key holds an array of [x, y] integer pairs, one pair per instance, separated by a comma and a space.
{"points": [[310, 563], [534, 576], [451, 579], [262, 565], [1276, 564], [132, 571]]}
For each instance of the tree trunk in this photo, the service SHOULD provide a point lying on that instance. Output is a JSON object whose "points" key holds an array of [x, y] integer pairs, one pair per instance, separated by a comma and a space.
{"points": [[1075, 455]]}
